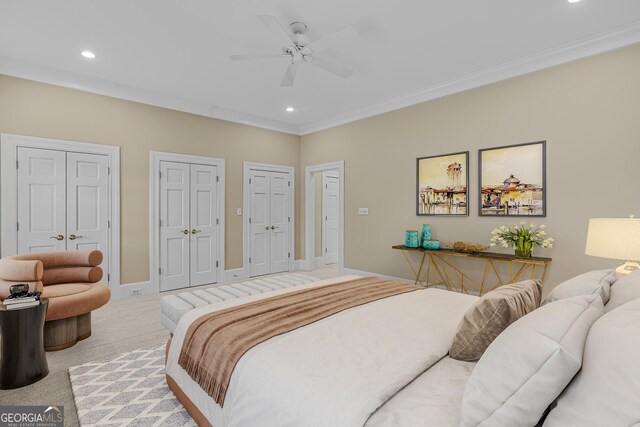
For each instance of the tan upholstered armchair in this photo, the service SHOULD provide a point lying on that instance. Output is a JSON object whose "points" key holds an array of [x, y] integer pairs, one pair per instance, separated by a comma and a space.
{"points": [[70, 280]]}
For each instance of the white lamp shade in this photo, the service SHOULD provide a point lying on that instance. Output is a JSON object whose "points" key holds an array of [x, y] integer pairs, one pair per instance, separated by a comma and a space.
{"points": [[614, 238]]}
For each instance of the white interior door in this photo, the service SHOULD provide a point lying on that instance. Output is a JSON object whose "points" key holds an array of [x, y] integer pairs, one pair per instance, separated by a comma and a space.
{"points": [[330, 195], [41, 200], [204, 225], [279, 227], [88, 204], [174, 225], [259, 222]]}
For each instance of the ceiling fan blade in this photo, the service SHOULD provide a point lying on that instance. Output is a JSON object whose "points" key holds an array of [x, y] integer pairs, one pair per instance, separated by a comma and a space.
{"points": [[331, 67], [345, 35], [290, 74], [257, 56], [272, 23]]}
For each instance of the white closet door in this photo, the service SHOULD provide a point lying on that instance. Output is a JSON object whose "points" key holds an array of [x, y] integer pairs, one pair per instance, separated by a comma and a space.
{"points": [[204, 228], [174, 225], [278, 220], [88, 204], [41, 200], [259, 225], [330, 193]]}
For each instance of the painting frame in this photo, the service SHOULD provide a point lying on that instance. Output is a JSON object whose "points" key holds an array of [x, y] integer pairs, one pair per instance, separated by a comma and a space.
{"points": [[466, 183], [543, 198]]}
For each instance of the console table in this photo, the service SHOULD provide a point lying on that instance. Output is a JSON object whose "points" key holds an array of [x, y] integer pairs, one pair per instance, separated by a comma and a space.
{"points": [[436, 268]]}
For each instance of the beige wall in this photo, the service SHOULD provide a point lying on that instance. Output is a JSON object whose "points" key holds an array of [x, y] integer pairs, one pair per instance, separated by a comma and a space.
{"points": [[36, 109], [588, 112]]}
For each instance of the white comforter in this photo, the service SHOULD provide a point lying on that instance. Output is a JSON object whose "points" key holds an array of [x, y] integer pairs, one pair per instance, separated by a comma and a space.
{"points": [[335, 372]]}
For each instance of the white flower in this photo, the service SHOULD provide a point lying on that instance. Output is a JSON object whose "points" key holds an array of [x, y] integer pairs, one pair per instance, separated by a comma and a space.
{"points": [[543, 226]]}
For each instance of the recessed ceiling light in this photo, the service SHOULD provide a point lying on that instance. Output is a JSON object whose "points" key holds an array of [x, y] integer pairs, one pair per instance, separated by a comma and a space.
{"points": [[289, 109], [88, 54], [573, 1]]}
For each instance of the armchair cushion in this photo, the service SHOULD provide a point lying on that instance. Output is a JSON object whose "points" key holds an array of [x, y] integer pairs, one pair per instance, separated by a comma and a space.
{"points": [[21, 270], [54, 276], [74, 299], [64, 258]]}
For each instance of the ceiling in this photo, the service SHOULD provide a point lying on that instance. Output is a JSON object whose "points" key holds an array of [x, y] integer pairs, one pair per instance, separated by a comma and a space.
{"points": [[175, 53]]}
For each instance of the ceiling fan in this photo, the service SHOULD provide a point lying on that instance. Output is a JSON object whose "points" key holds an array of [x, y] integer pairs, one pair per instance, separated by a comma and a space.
{"points": [[298, 48]]}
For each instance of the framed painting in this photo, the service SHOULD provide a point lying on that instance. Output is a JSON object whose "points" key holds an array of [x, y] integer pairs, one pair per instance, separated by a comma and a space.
{"points": [[442, 183], [513, 180]]}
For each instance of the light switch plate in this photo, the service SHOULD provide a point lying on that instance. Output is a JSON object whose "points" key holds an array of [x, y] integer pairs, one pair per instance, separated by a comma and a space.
{"points": [[239, 211], [363, 211]]}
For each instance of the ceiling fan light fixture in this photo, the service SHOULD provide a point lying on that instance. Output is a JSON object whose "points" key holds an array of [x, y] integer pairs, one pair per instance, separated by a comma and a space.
{"points": [[88, 54], [289, 109], [573, 1]]}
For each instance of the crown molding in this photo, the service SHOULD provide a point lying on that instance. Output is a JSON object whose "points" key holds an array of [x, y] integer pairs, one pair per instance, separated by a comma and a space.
{"points": [[84, 83], [610, 40]]}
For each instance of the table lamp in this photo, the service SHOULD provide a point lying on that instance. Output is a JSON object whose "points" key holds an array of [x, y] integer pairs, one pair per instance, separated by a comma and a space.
{"points": [[615, 238]]}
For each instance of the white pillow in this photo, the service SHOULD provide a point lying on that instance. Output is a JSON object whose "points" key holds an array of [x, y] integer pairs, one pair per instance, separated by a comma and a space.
{"points": [[626, 289], [525, 369], [594, 282], [606, 392]]}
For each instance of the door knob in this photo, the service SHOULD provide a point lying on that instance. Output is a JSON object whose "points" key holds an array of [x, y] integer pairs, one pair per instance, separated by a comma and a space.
{"points": [[58, 237], [273, 227], [74, 237], [267, 227], [194, 231], [185, 231]]}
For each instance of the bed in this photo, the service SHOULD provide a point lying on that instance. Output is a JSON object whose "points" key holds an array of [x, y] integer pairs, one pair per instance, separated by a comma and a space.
{"points": [[367, 365]]}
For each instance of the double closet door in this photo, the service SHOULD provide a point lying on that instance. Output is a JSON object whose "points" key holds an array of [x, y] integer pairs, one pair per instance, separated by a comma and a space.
{"points": [[189, 225], [269, 219], [63, 202]]}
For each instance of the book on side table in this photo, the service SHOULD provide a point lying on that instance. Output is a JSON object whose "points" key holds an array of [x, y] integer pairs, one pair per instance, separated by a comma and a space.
{"points": [[30, 299]]}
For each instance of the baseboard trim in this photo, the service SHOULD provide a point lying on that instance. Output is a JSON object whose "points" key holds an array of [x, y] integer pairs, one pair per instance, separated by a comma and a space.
{"points": [[369, 273], [319, 261], [300, 265]]}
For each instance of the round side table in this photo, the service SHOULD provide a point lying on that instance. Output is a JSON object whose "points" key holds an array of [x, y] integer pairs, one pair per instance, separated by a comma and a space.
{"points": [[22, 361]]}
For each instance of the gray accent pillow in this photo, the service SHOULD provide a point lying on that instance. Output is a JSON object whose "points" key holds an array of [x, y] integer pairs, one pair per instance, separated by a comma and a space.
{"points": [[625, 290], [594, 282], [491, 315]]}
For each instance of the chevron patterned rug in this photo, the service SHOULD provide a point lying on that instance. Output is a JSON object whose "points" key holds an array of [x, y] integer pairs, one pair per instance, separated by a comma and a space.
{"points": [[127, 390]]}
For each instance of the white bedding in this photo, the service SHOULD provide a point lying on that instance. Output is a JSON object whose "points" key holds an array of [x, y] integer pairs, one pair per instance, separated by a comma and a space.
{"points": [[335, 372]]}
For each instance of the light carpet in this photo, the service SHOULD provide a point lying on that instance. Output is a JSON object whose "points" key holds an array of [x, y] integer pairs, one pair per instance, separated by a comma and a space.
{"points": [[129, 389]]}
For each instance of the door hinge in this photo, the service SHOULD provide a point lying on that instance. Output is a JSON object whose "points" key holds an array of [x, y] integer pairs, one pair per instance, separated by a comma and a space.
{"points": [[289, 219], [216, 263], [326, 218], [160, 271], [108, 223], [108, 170], [249, 260], [16, 164], [17, 226], [326, 186], [289, 254], [217, 221], [249, 180], [289, 183], [217, 178], [160, 222], [325, 250], [249, 220], [160, 174], [108, 277]]}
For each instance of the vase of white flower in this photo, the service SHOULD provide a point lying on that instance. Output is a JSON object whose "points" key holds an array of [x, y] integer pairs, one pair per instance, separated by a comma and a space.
{"points": [[522, 237]]}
